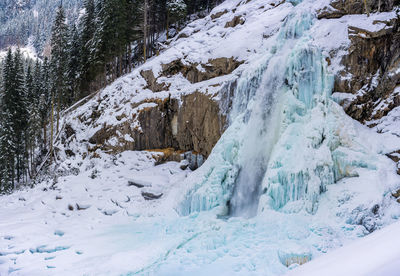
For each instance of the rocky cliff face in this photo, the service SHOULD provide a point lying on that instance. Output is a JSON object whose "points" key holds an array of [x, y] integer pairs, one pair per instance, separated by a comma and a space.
{"points": [[178, 100], [194, 125], [370, 72], [339, 8], [370, 65]]}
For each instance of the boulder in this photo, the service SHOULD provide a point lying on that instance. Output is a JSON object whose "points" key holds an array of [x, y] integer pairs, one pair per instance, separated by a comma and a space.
{"points": [[151, 196], [236, 20]]}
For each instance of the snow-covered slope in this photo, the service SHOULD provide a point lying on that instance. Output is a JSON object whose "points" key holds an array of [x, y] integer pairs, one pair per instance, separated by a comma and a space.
{"points": [[292, 177], [30, 21], [27, 52], [377, 254]]}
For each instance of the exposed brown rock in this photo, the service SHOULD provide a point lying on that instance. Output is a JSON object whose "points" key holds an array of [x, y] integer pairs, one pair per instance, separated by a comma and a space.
{"points": [[238, 19], [102, 135], [69, 153], [395, 156], [168, 154], [69, 131], [338, 8], [218, 14], [194, 125], [396, 194], [200, 124], [373, 58], [214, 68], [183, 35], [152, 83]]}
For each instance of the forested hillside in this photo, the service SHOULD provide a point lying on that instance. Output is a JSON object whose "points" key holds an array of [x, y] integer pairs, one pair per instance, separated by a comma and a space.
{"points": [[84, 54], [29, 21]]}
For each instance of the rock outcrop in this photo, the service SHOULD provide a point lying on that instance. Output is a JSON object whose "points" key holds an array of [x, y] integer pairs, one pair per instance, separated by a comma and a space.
{"points": [[371, 71], [339, 8], [194, 73], [194, 125], [236, 20]]}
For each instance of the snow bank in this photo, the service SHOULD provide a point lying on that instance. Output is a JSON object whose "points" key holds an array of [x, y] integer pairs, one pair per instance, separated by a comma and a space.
{"points": [[376, 254]]}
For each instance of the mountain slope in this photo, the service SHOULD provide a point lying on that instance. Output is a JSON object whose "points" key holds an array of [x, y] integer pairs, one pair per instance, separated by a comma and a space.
{"points": [[288, 176], [29, 22]]}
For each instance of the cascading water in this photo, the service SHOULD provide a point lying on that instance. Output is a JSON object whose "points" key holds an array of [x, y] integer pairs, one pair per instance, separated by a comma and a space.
{"points": [[261, 128], [288, 70], [280, 120]]}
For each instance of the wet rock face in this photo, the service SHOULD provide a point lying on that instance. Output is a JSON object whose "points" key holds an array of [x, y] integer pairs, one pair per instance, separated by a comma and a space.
{"points": [[372, 65], [195, 125]]}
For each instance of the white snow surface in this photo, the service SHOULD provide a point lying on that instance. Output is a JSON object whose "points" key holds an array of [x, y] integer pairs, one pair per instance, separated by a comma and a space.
{"points": [[113, 230], [28, 52], [376, 254]]}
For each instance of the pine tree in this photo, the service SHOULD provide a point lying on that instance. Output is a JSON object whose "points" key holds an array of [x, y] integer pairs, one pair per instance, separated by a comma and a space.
{"points": [[86, 30], [59, 61], [110, 38], [176, 11], [45, 100], [73, 73], [7, 142], [20, 117], [33, 96]]}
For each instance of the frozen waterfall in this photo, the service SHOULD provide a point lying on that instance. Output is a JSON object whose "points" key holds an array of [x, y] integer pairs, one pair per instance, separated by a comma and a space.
{"points": [[283, 144]]}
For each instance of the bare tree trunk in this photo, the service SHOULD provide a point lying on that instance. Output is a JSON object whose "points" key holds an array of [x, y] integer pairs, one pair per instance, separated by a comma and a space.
{"points": [[32, 162], [44, 136], [167, 24], [366, 7], [129, 57], [51, 126], [145, 31], [58, 112], [379, 6], [120, 65], [105, 75]]}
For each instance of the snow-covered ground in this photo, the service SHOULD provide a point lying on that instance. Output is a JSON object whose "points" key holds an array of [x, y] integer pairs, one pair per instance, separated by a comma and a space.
{"points": [[325, 179], [116, 231], [61, 226]]}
